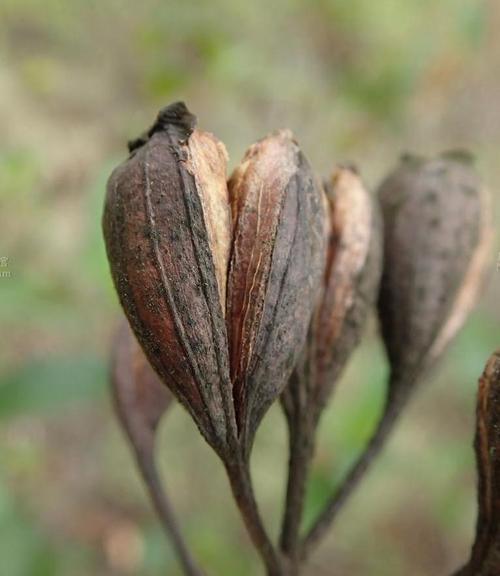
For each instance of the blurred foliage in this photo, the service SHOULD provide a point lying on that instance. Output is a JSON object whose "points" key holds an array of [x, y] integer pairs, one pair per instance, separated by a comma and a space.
{"points": [[43, 386], [357, 80]]}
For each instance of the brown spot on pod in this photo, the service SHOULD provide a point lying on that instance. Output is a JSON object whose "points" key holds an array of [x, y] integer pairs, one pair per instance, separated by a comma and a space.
{"points": [[436, 245]]}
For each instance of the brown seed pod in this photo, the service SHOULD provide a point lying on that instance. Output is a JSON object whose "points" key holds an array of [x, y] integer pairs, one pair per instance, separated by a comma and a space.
{"points": [[187, 278], [436, 244], [167, 227], [351, 274], [350, 286], [437, 238], [485, 557], [276, 263]]}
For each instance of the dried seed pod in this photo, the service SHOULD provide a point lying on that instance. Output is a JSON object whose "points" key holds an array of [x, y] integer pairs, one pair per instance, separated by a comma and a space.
{"points": [[186, 278], [140, 397], [167, 229], [436, 243], [436, 246], [276, 264], [485, 557], [351, 278], [352, 275]]}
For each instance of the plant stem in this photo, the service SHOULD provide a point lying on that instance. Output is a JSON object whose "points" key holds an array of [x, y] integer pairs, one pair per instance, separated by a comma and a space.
{"points": [[485, 555], [166, 513], [241, 485], [375, 445], [301, 442]]}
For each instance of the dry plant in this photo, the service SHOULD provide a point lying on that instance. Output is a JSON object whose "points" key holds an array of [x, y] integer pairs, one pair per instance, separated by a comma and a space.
{"points": [[244, 291]]}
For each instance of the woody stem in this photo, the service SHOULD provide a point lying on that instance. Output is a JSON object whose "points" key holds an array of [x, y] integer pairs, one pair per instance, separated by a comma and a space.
{"points": [[241, 485], [301, 441], [165, 512], [374, 447]]}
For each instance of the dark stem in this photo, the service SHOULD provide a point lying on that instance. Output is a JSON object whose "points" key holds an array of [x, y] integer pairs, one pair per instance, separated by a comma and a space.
{"points": [[301, 441], [488, 564], [164, 509], [241, 485], [485, 555], [324, 521]]}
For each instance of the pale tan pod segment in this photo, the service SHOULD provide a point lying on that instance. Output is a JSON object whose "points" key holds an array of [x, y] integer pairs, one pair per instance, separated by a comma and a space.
{"points": [[276, 160], [265, 171], [207, 162], [468, 293], [351, 215]]}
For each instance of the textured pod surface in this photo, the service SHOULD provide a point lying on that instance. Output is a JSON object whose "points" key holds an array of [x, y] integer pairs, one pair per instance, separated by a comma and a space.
{"points": [[352, 275], [167, 230], [140, 397], [436, 240], [485, 557], [349, 285], [217, 283], [275, 268]]}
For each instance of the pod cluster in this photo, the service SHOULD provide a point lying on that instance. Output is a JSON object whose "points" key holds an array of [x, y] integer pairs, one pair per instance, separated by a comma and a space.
{"points": [[217, 278], [233, 285]]}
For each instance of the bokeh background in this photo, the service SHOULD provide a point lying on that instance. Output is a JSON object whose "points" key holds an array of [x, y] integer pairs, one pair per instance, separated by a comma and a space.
{"points": [[356, 80]]}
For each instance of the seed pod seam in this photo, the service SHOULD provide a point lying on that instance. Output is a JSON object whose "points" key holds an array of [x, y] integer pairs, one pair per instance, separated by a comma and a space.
{"points": [[219, 332], [167, 288]]}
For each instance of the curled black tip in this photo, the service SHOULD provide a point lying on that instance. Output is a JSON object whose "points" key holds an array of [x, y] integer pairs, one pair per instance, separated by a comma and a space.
{"points": [[136, 143], [174, 117]]}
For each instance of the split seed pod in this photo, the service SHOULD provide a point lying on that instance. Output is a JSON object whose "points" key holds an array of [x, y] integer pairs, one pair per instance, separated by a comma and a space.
{"points": [[276, 263], [178, 243], [485, 557], [350, 287], [161, 204], [437, 238]]}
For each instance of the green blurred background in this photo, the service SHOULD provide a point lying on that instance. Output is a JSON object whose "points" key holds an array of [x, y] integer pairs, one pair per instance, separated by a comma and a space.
{"points": [[356, 80]]}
